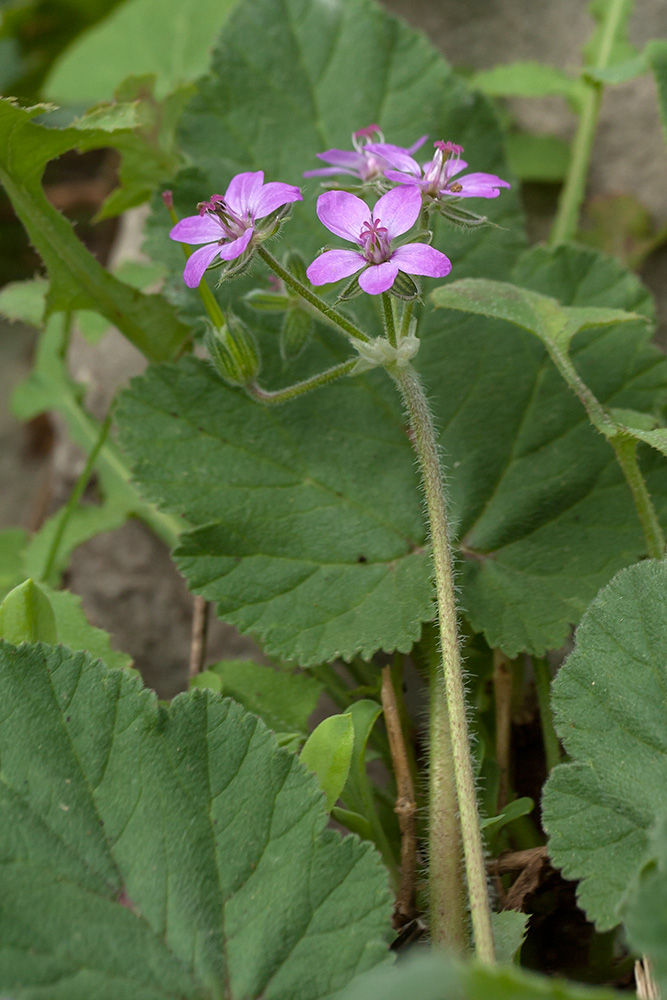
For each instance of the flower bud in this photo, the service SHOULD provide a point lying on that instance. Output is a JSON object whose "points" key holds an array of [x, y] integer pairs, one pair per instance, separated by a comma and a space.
{"points": [[233, 351], [295, 332]]}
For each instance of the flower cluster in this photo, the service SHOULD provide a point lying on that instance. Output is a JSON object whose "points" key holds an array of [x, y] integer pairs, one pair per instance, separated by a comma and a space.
{"points": [[231, 226]]}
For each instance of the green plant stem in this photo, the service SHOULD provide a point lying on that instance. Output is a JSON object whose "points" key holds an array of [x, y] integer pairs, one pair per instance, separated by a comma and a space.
{"points": [[625, 449], [206, 295], [388, 317], [626, 453], [75, 496], [299, 388], [406, 316], [323, 307], [447, 898], [427, 450], [543, 690], [572, 196]]}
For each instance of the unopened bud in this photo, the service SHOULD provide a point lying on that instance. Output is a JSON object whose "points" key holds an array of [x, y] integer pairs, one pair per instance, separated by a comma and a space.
{"points": [[266, 301], [233, 352], [295, 333], [296, 265]]}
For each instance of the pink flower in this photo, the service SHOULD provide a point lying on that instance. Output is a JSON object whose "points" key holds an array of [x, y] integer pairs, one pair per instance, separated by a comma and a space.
{"points": [[350, 217], [228, 224], [361, 162], [436, 178]]}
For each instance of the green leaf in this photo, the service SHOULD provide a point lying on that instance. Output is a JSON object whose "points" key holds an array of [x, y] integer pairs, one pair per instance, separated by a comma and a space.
{"points": [[78, 281], [618, 49], [75, 631], [353, 821], [328, 752], [537, 157], [167, 851], [284, 699], [26, 615], [645, 907], [610, 714], [525, 79], [12, 544], [620, 72], [170, 38], [509, 931], [24, 300], [49, 387], [519, 807], [364, 715], [436, 976], [656, 54]]}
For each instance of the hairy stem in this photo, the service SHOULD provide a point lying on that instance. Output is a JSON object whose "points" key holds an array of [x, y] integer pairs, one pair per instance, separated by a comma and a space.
{"points": [[323, 307], [388, 317], [626, 453], [299, 388], [572, 196], [427, 451]]}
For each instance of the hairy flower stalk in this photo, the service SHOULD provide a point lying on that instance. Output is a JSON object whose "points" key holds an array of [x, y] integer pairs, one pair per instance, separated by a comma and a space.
{"points": [[425, 446]]}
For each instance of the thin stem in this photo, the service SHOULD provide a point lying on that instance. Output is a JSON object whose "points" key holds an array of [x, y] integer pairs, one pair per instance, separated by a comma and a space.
{"points": [[405, 807], [426, 447], [206, 295], [552, 754], [572, 196], [332, 314], [388, 316], [200, 609], [299, 388], [502, 687], [75, 496], [626, 453]]}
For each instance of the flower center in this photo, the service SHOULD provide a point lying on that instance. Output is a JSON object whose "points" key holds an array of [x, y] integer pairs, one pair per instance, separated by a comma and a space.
{"points": [[231, 224], [374, 242], [438, 171]]}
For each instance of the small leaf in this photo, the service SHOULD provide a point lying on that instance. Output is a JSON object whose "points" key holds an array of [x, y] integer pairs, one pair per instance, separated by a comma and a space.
{"points": [[364, 715], [525, 79], [610, 713], [620, 72], [24, 300], [285, 699], [75, 631], [12, 544], [537, 157], [26, 615], [509, 930], [167, 850], [514, 810], [328, 752], [353, 821]]}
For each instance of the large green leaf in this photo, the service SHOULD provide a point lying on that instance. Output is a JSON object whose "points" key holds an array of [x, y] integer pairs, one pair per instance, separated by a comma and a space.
{"points": [[166, 851], [170, 38], [78, 280], [609, 701], [645, 907], [312, 535], [435, 976]]}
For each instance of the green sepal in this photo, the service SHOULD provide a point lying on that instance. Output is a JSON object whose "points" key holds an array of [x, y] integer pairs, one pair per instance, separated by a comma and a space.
{"points": [[295, 333], [264, 301], [233, 351], [351, 290], [404, 287], [296, 265]]}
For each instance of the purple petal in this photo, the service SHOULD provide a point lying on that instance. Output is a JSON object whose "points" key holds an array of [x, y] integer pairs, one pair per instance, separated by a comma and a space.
{"points": [[480, 186], [419, 258], [454, 166], [399, 178], [197, 264], [395, 157], [329, 171], [333, 265], [343, 213], [416, 145], [378, 277], [230, 251], [272, 196], [197, 229], [347, 158], [243, 191], [398, 209]]}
